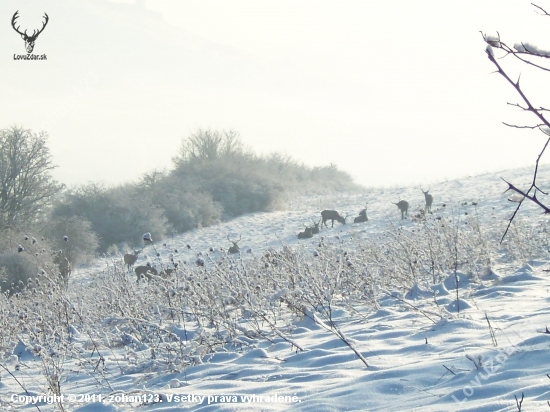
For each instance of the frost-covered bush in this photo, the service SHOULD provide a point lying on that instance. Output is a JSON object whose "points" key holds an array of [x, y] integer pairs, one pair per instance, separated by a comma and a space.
{"points": [[526, 240], [214, 178], [73, 236], [241, 182], [23, 256], [429, 251], [184, 204], [15, 271], [116, 215], [235, 182]]}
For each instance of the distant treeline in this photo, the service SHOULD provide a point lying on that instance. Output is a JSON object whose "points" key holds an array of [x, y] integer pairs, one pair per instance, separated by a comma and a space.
{"points": [[214, 179]]}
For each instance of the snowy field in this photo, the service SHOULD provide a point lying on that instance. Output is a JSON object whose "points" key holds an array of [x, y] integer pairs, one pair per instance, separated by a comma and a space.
{"points": [[361, 317]]}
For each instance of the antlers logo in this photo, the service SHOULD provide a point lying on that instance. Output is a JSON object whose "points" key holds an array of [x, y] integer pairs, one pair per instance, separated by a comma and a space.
{"points": [[29, 40]]}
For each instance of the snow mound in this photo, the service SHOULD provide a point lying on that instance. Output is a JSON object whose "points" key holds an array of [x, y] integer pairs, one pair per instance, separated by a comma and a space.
{"points": [[417, 293], [451, 281], [454, 306]]}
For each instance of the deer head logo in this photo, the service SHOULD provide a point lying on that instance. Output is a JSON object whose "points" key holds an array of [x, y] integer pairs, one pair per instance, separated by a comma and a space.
{"points": [[29, 40]]}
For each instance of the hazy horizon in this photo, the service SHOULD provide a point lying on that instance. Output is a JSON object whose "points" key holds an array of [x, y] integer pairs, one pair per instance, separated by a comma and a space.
{"points": [[394, 94]]}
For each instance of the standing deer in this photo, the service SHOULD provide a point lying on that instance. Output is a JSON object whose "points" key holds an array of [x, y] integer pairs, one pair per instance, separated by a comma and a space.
{"points": [[63, 264], [315, 227], [331, 215], [235, 248], [403, 205], [130, 259], [306, 234], [29, 40], [429, 201]]}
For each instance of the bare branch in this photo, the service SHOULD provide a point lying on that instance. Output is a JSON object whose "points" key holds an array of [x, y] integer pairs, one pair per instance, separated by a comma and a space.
{"points": [[544, 13], [526, 196], [543, 126], [538, 126], [527, 50], [517, 105], [542, 191], [518, 403], [517, 55], [516, 86]]}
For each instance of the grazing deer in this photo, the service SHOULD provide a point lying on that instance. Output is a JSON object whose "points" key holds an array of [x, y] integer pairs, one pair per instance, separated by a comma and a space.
{"points": [[29, 40], [429, 201], [143, 271], [403, 205], [331, 215], [235, 248], [362, 216], [306, 234], [130, 259], [315, 228]]}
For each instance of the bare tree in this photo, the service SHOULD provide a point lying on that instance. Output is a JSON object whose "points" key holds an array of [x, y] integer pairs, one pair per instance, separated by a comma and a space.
{"points": [[531, 55], [26, 186], [209, 145]]}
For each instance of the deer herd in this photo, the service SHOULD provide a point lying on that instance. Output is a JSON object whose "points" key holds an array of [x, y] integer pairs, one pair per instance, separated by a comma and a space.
{"points": [[333, 215], [144, 271], [147, 271]]}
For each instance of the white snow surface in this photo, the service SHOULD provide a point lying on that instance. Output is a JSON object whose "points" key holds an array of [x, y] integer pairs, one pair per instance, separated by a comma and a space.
{"points": [[422, 354]]}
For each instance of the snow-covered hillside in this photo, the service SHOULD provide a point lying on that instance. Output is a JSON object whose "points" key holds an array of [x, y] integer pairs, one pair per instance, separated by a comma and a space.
{"points": [[360, 317]]}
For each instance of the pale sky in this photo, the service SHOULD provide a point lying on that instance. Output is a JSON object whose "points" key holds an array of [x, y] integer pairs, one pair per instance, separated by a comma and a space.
{"points": [[395, 93]]}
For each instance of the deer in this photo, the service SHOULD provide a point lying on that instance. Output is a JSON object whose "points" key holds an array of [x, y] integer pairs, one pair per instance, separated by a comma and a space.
{"points": [[315, 228], [332, 215], [29, 40], [130, 259], [306, 234], [429, 200], [143, 271], [403, 205], [235, 248], [362, 216], [63, 264]]}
